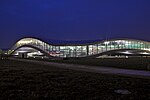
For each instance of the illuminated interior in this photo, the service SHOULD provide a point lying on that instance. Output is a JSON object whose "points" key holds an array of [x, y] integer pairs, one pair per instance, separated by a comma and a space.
{"points": [[82, 50]]}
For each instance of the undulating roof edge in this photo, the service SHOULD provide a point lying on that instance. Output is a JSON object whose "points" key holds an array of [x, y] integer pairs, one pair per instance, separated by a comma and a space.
{"points": [[79, 42]]}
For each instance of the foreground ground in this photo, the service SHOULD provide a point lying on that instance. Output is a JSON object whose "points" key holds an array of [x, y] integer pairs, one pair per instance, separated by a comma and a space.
{"points": [[26, 81], [138, 63]]}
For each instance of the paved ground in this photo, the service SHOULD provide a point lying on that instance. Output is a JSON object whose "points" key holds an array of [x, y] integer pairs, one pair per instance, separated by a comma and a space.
{"points": [[95, 69]]}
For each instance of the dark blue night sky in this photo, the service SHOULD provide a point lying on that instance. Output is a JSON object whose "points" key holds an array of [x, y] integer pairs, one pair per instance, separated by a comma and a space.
{"points": [[73, 19]]}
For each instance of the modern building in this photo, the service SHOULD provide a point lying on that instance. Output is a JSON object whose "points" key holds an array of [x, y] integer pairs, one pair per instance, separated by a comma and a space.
{"points": [[34, 47]]}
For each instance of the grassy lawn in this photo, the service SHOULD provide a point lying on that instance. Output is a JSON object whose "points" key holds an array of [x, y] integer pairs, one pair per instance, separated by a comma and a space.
{"points": [[130, 63], [26, 81]]}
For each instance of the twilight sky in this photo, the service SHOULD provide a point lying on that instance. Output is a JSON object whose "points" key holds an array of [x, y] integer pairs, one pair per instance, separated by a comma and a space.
{"points": [[73, 19]]}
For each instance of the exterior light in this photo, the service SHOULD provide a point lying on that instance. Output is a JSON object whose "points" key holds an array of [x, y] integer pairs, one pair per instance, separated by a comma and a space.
{"points": [[147, 49], [106, 42], [145, 53], [127, 52], [24, 42]]}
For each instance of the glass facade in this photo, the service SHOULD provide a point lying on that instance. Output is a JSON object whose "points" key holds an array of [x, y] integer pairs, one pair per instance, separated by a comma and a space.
{"points": [[82, 50]]}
